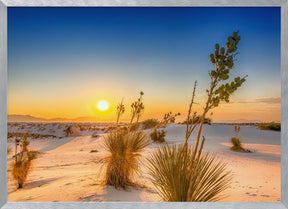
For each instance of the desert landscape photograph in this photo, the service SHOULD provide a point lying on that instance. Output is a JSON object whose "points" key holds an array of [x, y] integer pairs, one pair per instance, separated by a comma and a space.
{"points": [[144, 104]]}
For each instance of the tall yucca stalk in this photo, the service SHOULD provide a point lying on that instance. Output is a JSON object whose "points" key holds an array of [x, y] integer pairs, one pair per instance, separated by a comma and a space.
{"points": [[172, 175]]}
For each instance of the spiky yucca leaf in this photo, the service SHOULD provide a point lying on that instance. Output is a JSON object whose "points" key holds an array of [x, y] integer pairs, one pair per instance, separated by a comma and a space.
{"points": [[124, 154], [209, 179], [177, 180]]}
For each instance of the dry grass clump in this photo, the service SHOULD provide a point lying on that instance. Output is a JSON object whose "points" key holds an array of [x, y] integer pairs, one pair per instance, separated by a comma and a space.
{"points": [[178, 179], [22, 164], [158, 136]]}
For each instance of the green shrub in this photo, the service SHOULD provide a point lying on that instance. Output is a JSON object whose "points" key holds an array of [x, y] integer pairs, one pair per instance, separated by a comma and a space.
{"points": [[197, 119], [158, 136], [149, 123], [176, 179], [269, 126]]}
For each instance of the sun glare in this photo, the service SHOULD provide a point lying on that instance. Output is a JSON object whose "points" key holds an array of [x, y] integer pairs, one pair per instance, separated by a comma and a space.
{"points": [[103, 105]]}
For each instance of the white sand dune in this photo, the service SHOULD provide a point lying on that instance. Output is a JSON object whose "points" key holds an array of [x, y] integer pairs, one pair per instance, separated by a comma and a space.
{"points": [[68, 171]]}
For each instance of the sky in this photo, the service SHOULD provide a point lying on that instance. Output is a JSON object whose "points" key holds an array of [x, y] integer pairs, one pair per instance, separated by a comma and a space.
{"points": [[63, 61]]}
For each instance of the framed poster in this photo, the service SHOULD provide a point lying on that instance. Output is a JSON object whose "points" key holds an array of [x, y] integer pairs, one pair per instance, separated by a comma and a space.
{"points": [[143, 104]]}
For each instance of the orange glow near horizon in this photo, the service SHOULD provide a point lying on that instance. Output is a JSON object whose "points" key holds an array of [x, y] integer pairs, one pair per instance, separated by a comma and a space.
{"points": [[100, 110]]}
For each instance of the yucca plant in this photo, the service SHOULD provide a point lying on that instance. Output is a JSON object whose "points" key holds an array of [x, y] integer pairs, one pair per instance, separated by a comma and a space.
{"points": [[125, 147], [22, 164], [125, 152], [177, 179], [236, 144], [186, 174]]}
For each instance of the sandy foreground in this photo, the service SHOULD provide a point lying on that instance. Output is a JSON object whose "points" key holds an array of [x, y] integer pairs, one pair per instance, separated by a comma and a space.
{"points": [[67, 170]]}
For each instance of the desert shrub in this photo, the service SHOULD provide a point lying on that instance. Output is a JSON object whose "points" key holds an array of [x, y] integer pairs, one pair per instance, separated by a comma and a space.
{"points": [[81, 127], [149, 123], [124, 154], [236, 144], [22, 164], [68, 131], [177, 179], [197, 120], [269, 126], [158, 136]]}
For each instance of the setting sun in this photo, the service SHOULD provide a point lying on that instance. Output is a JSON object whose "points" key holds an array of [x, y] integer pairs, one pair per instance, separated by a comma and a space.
{"points": [[103, 105]]}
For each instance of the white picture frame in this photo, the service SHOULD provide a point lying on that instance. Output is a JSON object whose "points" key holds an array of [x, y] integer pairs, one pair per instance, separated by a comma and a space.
{"points": [[4, 4]]}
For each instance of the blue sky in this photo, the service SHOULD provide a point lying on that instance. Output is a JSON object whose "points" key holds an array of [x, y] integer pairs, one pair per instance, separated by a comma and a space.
{"points": [[120, 51]]}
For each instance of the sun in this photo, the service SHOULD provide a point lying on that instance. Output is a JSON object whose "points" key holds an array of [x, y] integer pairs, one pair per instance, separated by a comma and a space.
{"points": [[103, 105]]}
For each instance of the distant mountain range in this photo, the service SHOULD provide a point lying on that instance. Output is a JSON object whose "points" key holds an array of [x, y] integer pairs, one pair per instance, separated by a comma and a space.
{"points": [[29, 118]]}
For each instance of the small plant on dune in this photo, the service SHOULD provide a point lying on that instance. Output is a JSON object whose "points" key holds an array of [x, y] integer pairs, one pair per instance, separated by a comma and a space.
{"points": [[21, 166], [237, 146], [125, 147], [158, 136], [236, 142], [149, 123], [184, 173]]}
